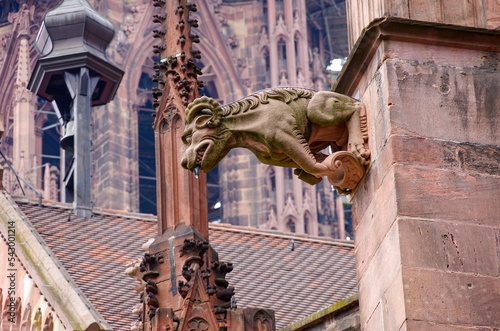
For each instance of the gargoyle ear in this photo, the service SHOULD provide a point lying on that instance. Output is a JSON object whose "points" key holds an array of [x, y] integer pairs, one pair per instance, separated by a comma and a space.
{"points": [[206, 120], [202, 105], [203, 121]]}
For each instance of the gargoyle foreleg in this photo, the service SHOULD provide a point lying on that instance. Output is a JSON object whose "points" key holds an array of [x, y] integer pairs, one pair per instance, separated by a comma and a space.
{"points": [[301, 154], [330, 108], [356, 142]]}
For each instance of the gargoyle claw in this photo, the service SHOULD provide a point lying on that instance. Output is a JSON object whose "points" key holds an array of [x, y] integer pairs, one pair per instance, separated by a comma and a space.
{"points": [[361, 153]]}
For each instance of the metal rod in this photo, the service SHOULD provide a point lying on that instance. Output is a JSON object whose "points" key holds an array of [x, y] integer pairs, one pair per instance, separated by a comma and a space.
{"points": [[48, 127], [19, 179], [147, 177], [49, 156]]}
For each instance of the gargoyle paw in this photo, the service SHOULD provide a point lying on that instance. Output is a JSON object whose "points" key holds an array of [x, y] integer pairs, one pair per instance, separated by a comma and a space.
{"points": [[361, 153]]}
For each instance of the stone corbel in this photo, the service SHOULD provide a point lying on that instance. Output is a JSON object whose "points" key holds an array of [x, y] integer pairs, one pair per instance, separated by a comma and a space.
{"points": [[346, 171]]}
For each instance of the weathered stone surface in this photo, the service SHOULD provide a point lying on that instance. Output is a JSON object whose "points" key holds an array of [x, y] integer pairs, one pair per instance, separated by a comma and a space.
{"points": [[446, 154], [452, 298], [415, 150], [455, 97], [393, 304], [447, 195], [376, 222], [376, 319], [449, 246], [427, 233], [378, 101], [382, 270], [428, 326]]}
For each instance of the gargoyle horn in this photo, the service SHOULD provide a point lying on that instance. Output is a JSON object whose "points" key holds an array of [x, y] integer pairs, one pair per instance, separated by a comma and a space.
{"points": [[204, 106]]}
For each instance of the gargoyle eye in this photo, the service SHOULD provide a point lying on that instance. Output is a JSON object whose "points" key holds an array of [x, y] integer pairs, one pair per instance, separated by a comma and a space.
{"points": [[186, 139], [206, 111]]}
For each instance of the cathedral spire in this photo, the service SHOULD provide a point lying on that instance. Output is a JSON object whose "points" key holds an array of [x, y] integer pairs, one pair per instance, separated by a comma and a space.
{"points": [[181, 196], [184, 281]]}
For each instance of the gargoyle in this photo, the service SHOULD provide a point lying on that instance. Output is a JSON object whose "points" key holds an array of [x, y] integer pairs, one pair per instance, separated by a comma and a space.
{"points": [[285, 126]]}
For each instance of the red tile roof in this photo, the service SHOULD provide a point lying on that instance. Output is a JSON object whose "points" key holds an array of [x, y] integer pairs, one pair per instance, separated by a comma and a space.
{"points": [[267, 272]]}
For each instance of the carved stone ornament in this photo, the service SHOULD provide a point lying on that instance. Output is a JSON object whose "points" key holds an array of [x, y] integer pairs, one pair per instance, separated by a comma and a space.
{"points": [[197, 324], [287, 127], [262, 321], [49, 323]]}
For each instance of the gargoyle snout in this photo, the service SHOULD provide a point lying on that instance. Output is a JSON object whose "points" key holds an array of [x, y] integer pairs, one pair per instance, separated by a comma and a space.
{"points": [[184, 162]]}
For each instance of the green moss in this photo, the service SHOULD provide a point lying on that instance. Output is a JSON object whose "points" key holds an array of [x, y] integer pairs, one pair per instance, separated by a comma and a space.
{"points": [[316, 317]]}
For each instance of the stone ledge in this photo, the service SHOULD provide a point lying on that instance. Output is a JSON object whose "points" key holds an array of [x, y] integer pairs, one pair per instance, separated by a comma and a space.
{"points": [[335, 309], [390, 28]]}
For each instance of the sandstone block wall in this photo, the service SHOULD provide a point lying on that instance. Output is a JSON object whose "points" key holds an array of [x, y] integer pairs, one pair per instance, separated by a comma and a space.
{"points": [[428, 229]]}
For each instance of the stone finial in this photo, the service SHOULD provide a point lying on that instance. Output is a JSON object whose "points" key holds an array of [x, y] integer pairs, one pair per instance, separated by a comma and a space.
{"points": [[23, 19]]}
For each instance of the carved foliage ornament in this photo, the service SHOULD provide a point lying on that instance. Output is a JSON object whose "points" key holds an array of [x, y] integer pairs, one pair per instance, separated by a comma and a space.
{"points": [[287, 127], [262, 321], [197, 324]]}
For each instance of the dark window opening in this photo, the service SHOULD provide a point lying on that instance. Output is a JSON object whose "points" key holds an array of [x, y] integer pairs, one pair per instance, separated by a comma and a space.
{"points": [[290, 225]]}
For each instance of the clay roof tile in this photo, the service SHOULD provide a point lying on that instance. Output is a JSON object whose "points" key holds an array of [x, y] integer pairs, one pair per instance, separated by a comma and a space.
{"points": [[267, 273]]}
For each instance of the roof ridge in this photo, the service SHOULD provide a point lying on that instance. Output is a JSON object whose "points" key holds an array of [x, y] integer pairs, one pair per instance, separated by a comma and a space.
{"points": [[280, 234], [95, 210], [212, 226], [45, 202]]}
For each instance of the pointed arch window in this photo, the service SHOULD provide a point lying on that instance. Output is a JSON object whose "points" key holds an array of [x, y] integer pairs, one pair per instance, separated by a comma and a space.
{"points": [[282, 54], [290, 225], [270, 184], [26, 321], [267, 64], [298, 44], [308, 223]]}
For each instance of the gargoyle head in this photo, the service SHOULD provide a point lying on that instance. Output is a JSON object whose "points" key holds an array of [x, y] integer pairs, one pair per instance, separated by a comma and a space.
{"points": [[205, 136]]}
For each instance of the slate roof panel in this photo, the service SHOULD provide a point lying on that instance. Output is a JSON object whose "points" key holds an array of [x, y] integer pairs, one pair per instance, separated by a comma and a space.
{"points": [[267, 272]]}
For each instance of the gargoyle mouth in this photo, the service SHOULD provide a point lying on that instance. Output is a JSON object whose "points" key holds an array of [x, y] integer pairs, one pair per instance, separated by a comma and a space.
{"points": [[200, 155]]}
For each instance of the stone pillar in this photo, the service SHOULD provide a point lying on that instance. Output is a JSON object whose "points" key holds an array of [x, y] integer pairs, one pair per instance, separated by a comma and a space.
{"points": [[280, 193], [50, 180], [290, 46], [273, 43], [427, 229], [114, 174], [85, 85], [23, 150], [303, 46]]}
